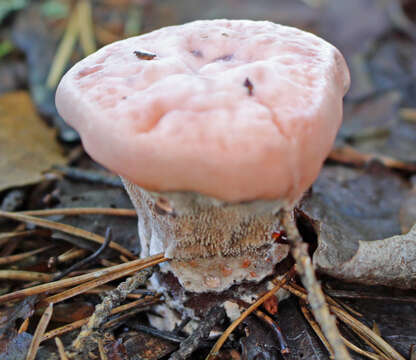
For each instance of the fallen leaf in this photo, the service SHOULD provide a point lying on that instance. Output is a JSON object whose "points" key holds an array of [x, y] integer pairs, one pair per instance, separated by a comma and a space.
{"points": [[260, 341], [301, 339], [17, 348], [355, 214], [147, 347], [9, 339], [390, 261], [27, 146]]}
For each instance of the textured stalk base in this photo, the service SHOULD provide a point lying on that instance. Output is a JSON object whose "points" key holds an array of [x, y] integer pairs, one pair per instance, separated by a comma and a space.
{"points": [[213, 244]]}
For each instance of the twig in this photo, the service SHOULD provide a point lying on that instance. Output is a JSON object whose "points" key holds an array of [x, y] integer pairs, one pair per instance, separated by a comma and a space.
{"points": [[77, 324], [214, 316], [108, 237], [103, 310], [61, 349], [40, 330], [65, 49], [78, 279], [81, 211], [316, 297], [214, 351], [72, 230]]}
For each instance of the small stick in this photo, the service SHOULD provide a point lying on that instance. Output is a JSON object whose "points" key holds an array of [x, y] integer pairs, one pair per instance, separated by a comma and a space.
{"points": [[72, 230], [316, 297], [40, 330], [108, 237], [61, 349], [103, 310], [214, 351], [81, 211], [144, 55], [77, 324]]}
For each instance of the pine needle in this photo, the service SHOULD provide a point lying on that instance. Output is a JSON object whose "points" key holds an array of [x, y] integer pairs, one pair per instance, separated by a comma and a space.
{"points": [[40, 330]]}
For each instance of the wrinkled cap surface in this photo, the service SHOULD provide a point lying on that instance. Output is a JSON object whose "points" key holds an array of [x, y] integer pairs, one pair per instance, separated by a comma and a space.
{"points": [[234, 109]]}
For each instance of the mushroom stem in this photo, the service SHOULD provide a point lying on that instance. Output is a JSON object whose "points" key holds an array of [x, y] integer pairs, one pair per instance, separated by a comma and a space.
{"points": [[213, 244], [316, 298]]}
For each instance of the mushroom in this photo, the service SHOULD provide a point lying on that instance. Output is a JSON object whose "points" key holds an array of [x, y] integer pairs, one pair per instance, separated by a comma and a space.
{"points": [[217, 128]]}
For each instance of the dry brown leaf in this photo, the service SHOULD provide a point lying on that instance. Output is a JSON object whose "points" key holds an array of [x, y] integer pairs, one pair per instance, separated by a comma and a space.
{"points": [[391, 261], [356, 216], [27, 146]]}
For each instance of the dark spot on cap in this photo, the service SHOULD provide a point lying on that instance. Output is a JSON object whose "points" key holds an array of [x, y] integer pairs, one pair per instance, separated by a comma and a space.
{"points": [[224, 58], [197, 53], [144, 55], [248, 84]]}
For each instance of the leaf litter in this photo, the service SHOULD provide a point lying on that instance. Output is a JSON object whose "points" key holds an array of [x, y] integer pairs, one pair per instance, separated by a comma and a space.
{"points": [[28, 147]]}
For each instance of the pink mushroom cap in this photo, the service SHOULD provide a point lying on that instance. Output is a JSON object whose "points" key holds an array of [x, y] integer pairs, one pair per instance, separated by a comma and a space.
{"points": [[233, 109]]}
